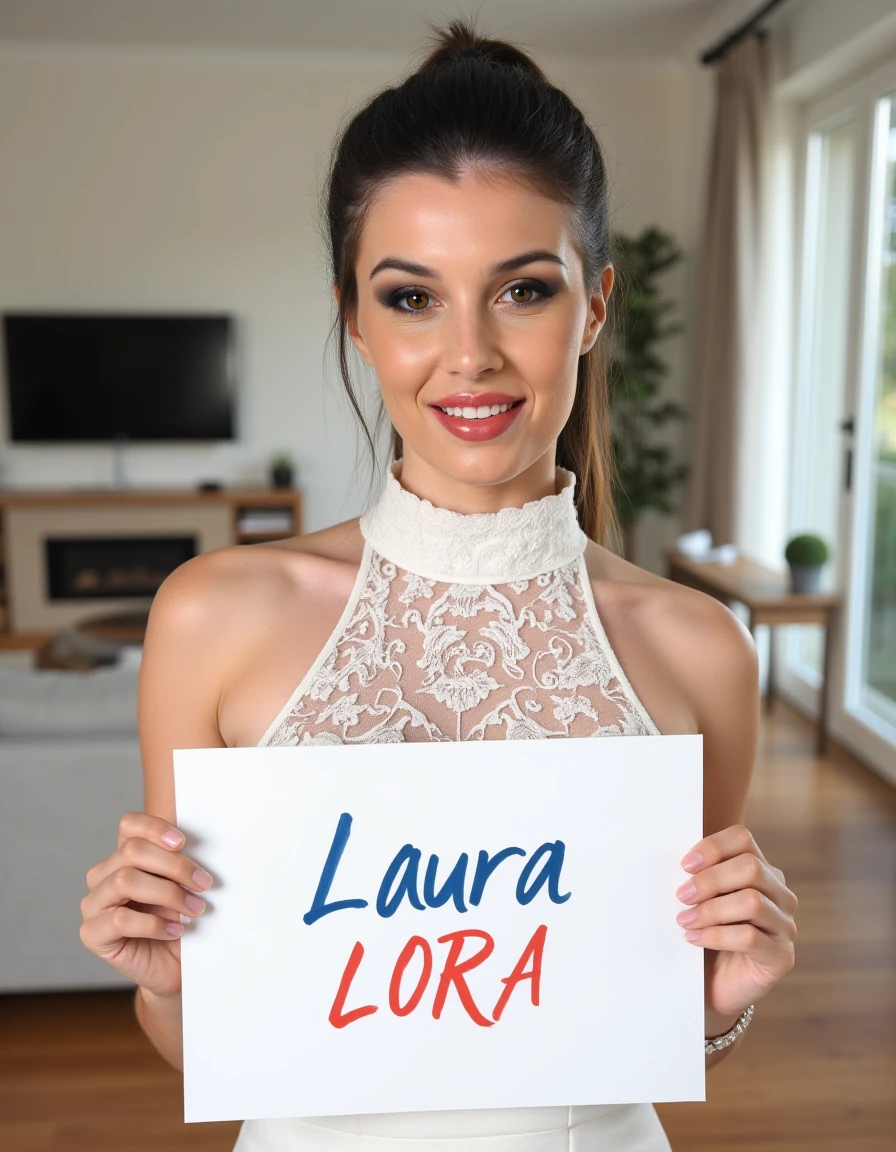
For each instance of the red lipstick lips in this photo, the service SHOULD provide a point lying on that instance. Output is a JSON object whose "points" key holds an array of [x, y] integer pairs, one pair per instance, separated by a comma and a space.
{"points": [[464, 414]]}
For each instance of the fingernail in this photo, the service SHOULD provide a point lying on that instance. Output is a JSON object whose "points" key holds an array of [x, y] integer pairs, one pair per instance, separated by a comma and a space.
{"points": [[694, 934], [686, 891], [173, 928], [194, 902], [691, 860], [686, 917], [201, 878], [173, 838]]}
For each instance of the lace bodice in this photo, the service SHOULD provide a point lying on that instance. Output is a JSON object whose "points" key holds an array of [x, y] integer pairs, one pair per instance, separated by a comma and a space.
{"points": [[465, 627]]}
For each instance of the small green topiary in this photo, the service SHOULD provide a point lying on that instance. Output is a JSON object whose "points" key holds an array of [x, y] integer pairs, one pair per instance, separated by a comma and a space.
{"points": [[806, 551]]}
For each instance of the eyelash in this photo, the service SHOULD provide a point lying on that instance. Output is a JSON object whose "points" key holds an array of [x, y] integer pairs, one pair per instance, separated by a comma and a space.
{"points": [[392, 300]]}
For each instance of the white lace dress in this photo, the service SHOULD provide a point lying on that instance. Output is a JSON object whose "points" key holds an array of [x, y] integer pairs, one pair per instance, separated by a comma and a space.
{"points": [[465, 627]]}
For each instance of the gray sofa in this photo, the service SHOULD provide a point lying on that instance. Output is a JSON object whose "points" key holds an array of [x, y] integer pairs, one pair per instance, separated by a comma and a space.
{"points": [[69, 769]]}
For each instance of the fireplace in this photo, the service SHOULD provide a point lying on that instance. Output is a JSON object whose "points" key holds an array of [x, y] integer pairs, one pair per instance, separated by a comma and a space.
{"points": [[120, 567], [70, 560]]}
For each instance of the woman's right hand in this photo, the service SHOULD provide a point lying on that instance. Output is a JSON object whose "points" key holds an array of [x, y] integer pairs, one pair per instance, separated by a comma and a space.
{"points": [[131, 915]]}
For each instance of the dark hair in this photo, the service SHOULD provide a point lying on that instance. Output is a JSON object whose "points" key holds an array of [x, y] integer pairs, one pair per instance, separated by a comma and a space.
{"points": [[474, 101]]}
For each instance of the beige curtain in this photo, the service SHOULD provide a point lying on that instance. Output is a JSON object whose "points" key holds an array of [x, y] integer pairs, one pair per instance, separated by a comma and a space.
{"points": [[727, 331]]}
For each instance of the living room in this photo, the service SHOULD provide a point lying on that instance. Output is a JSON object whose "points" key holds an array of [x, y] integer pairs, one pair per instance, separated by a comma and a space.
{"points": [[162, 197]]}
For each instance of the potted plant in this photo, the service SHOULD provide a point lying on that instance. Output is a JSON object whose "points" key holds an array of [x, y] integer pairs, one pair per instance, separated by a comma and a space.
{"points": [[647, 472], [282, 470], [806, 554]]}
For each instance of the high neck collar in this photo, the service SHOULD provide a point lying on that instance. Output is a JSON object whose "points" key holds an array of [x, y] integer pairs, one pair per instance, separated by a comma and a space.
{"points": [[476, 547]]}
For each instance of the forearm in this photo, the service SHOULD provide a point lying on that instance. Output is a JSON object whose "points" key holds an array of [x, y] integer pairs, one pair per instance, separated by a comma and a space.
{"points": [[161, 1018], [716, 1025]]}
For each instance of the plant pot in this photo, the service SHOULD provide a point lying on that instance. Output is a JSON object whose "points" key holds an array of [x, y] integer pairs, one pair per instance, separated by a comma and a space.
{"points": [[805, 579], [281, 476]]}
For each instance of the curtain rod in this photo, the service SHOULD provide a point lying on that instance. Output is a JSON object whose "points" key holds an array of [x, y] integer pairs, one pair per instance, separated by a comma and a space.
{"points": [[718, 50]]}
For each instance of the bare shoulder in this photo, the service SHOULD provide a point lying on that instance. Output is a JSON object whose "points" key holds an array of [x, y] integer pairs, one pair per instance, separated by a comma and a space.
{"points": [[694, 643], [227, 605], [202, 583]]}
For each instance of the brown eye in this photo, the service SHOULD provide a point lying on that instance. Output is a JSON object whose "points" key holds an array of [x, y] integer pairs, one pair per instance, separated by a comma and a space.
{"points": [[528, 293], [417, 300]]}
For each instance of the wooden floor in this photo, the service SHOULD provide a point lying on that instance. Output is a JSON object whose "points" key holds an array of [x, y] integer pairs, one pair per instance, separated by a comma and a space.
{"points": [[815, 1072]]}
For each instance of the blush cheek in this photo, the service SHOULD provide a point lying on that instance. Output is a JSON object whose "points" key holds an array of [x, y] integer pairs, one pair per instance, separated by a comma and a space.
{"points": [[402, 375], [551, 369], [553, 397]]}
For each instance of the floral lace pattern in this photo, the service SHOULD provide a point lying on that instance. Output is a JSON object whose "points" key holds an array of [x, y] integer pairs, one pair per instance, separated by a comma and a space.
{"points": [[423, 659]]}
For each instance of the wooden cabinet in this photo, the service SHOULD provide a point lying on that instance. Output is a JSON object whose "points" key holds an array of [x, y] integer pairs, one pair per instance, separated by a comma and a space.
{"points": [[216, 518]]}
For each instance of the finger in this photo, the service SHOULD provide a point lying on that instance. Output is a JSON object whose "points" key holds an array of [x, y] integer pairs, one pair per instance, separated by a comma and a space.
{"points": [[138, 825], [771, 952], [140, 853], [149, 827], [105, 935], [128, 884], [748, 905], [165, 913], [731, 841], [745, 871], [738, 840]]}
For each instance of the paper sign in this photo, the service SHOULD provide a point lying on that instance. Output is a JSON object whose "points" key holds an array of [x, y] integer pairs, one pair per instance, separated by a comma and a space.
{"points": [[408, 927]]}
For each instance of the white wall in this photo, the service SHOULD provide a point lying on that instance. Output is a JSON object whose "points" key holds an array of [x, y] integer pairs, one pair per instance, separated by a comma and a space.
{"points": [[163, 180]]}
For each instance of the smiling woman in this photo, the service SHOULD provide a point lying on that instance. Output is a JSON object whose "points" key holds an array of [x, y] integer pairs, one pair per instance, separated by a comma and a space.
{"points": [[470, 415], [477, 598], [467, 319], [484, 183]]}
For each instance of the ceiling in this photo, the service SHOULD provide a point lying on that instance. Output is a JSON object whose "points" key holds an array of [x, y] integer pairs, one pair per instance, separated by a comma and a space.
{"points": [[601, 29]]}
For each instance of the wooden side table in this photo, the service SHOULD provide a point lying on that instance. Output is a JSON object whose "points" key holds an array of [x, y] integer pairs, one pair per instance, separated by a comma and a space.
{"points": [[767, 597]]}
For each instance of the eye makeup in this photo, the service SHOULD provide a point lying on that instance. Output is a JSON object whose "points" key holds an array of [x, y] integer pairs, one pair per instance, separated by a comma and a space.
{"points": [[394, 298]]}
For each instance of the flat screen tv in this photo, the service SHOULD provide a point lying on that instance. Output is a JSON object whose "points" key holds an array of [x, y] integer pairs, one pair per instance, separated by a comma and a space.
{"points": [[100, 376]]}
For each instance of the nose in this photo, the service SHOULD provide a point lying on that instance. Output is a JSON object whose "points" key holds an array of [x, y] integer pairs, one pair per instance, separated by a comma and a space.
{"points": [[470, 344]]}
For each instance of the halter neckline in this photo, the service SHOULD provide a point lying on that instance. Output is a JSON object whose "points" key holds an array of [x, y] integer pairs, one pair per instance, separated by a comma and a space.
{"points": [[500, 547]]}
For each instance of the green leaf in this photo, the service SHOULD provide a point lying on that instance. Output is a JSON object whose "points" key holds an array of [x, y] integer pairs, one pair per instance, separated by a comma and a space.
{"points": [[644, 318]]}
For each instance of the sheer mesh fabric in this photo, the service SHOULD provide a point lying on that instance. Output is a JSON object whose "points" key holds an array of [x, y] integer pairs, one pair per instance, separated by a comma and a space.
{"points": [[423, 659]]}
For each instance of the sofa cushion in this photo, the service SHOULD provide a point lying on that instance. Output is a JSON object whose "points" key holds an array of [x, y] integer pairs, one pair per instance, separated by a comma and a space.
{"points": [[50, 703]]}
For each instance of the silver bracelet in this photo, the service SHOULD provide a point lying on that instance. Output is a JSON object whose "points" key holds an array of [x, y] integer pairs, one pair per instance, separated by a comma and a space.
{"points": [[716, 1043]]}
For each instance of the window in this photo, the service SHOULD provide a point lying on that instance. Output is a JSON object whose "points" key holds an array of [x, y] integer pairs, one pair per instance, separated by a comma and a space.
{"points": [[843, 463]]}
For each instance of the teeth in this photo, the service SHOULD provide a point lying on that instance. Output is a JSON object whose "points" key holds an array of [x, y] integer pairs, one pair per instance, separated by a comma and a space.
{"points": [[479, 413]]}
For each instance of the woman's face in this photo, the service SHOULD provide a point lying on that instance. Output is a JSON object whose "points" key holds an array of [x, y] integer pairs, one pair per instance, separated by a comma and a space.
{"points": [[472, 309]]}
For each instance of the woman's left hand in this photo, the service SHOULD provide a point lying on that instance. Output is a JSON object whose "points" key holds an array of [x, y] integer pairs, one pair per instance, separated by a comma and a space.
{"points": [[740, 909]]}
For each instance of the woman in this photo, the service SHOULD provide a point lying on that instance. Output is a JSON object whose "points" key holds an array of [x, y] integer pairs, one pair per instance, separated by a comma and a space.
{"points": [[467, 216]]}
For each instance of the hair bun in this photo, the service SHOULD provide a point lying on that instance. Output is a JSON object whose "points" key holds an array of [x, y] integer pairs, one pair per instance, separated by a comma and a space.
{"points": [[460, 40]]}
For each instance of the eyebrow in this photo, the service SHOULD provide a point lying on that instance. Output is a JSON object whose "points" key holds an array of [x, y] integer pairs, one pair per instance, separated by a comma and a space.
{"points": [[504, 266]]}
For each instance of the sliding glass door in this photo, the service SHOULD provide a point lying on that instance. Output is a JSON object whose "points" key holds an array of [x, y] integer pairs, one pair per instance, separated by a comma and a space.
{"points": [[874, 679], [844, 446]]}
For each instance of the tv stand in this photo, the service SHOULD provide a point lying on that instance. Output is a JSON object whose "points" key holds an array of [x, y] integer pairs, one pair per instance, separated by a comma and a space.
{"points": [[118, 480]]}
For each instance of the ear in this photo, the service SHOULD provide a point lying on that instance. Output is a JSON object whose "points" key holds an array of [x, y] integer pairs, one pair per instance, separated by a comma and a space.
{"points": [[352, 328], [597, 311]]}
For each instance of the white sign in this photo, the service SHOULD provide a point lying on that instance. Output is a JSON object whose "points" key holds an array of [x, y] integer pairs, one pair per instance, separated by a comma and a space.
{"points": [[408, 927]]}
